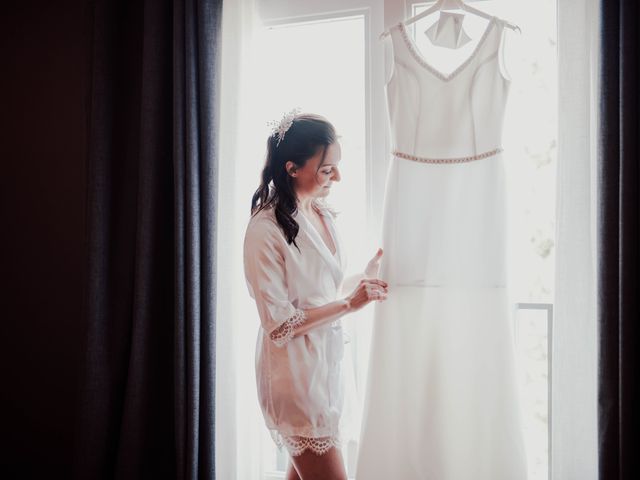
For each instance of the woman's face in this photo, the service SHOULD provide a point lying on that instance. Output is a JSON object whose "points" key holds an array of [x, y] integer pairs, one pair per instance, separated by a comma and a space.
{"points": [[318, 174]]}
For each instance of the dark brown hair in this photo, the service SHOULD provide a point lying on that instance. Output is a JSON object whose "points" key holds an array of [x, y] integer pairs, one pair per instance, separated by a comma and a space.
{"points": [[307, 134]]}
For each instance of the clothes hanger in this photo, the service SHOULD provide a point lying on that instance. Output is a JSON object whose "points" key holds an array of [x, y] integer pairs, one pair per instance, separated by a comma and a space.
{"points": [[451, 5]]}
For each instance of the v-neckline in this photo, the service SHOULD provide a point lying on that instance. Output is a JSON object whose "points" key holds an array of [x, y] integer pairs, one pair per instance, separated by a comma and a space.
{"points": [[413, 48], [333, 240]]}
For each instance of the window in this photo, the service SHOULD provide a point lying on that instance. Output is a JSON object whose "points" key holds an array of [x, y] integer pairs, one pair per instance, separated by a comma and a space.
{"points": [[325, 57]]}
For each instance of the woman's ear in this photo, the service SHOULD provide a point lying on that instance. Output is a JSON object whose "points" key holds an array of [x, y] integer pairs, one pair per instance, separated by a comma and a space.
{"points": [[291, 168]]}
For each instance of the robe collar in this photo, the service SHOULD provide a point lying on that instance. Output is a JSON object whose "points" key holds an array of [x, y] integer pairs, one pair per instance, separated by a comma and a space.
{"points": [[307, 229]]}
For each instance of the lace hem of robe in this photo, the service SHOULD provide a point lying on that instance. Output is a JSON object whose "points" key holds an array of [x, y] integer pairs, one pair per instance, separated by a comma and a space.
{"points": [[296, 444], [284, 333]]}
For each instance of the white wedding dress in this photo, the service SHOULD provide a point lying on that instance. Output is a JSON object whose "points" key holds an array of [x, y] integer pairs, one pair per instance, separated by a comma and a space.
{"points": [[442, 400]]}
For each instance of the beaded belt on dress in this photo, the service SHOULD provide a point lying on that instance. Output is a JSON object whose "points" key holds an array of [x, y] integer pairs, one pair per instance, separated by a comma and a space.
{"points": [[448, 160]]}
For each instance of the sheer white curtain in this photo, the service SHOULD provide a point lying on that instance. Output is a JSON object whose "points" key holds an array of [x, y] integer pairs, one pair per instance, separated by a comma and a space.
{"points": [[574, 381], [239, 424]]}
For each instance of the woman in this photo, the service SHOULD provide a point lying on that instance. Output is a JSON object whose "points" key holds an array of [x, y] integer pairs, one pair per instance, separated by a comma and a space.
{"points": [[294, 268]]}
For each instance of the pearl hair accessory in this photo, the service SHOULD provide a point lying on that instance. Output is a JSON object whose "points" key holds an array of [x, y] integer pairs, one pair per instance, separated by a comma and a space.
{"points": [[280, 128]]}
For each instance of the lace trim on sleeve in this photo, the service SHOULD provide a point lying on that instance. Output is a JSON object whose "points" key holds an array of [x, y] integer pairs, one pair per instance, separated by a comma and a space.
{"points": [[296, 445], [284, 333]]}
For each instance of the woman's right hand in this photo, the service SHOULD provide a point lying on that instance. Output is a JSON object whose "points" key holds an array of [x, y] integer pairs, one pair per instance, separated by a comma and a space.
{"points": [[368, 290]]}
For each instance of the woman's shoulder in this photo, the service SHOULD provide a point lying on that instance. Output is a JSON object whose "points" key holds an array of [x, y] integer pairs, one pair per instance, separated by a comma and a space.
{"points": [[263, 225], [264, 216]]}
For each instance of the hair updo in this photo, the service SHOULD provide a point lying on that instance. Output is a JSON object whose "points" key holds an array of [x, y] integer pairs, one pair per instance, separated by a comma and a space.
{"points": [[307, 134]]}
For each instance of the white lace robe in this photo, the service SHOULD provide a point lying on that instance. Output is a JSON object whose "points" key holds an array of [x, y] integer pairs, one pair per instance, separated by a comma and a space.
{"points": [[299, 379]]}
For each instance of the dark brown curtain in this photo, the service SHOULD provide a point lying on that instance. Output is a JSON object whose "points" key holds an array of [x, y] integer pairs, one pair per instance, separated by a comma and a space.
{"points": [[619, 241], [148, 385]]}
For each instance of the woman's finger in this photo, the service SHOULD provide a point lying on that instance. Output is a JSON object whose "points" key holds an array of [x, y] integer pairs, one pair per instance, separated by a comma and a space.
{"points": [[380, 296], [375, 292], [376, 281]]}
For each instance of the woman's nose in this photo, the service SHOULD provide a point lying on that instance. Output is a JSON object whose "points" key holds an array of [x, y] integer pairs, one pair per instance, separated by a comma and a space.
{"points": [[336, 175]]}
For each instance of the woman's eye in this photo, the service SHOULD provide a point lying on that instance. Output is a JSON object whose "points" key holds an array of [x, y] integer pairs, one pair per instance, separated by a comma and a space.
{"points": [[327, 173]]}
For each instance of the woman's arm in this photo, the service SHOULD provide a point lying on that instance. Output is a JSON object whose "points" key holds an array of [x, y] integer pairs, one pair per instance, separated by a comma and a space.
{"points": [[314, 317], [366, 291], [265, 274]]}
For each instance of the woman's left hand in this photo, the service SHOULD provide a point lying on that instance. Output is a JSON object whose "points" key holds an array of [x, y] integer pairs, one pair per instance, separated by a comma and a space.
{"points": [[374, 265]]}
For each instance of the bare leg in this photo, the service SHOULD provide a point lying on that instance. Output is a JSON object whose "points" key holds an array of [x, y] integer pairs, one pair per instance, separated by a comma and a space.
{"points": [[329, 466], [292, 474]]}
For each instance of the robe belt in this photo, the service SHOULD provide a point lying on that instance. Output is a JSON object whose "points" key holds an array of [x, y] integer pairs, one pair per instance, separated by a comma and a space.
{"points": [[471, 158]]}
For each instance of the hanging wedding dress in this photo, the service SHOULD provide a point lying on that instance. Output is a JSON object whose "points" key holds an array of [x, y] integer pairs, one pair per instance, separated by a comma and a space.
{"points": [[442, 400]]}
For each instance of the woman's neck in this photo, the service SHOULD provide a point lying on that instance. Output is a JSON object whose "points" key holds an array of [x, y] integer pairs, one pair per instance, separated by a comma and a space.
{"points": [[306, 204]]}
